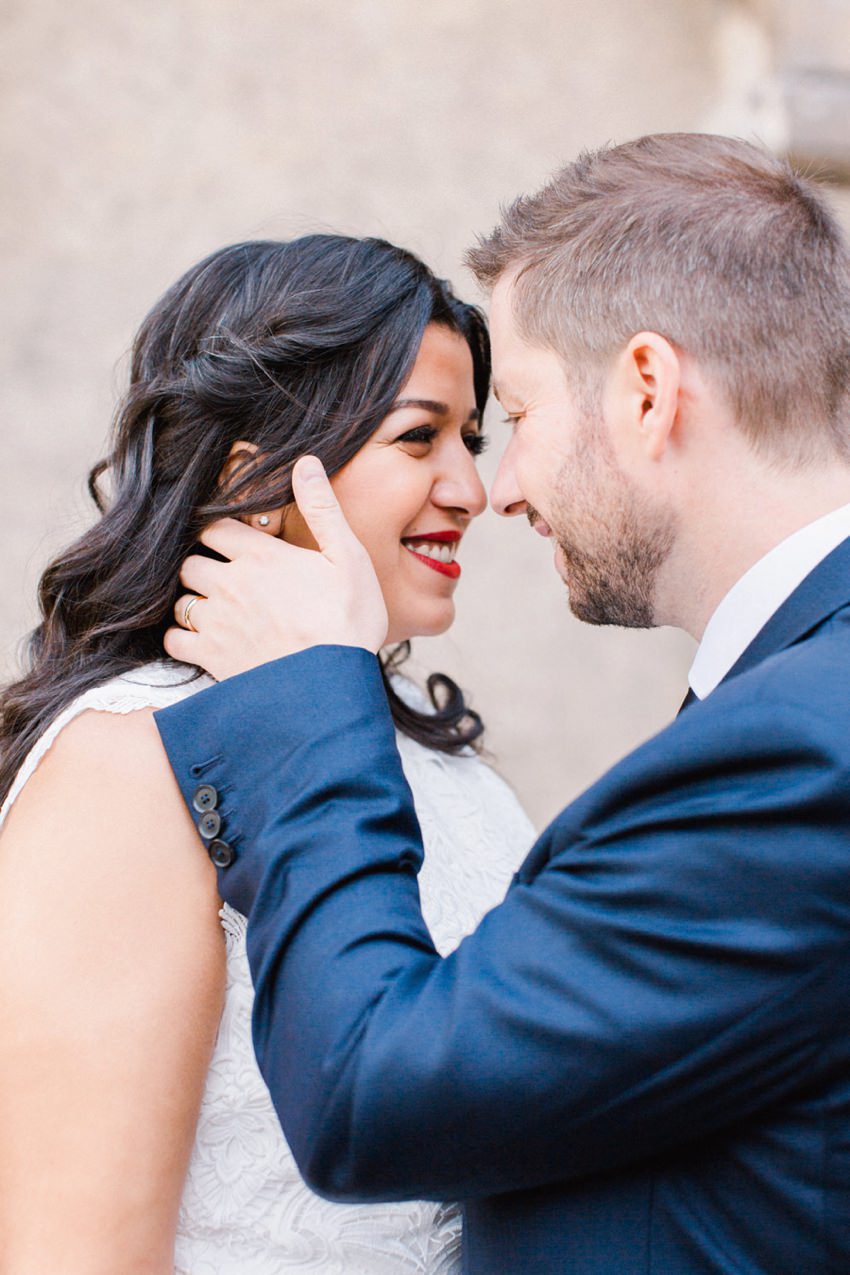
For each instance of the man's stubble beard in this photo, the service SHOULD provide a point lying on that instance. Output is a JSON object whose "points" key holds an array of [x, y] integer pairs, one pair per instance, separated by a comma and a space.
{"points": [[614, 539]]}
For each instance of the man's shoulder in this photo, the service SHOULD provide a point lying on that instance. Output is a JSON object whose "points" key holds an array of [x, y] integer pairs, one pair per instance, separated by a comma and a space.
{"points": [[770, 740], [805, 687]]}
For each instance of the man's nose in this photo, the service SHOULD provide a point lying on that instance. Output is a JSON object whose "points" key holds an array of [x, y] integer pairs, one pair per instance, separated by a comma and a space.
{"points": [[505, 495]]}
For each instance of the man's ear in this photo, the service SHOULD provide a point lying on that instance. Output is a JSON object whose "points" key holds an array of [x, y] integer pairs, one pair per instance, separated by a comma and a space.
{"points": [[648, 378], [242, 451]]}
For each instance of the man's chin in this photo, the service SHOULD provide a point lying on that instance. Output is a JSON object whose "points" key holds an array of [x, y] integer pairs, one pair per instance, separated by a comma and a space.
{"points": [[580, 600]]}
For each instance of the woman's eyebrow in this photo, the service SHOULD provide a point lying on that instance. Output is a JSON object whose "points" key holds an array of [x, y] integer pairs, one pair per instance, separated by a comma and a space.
{"points": [[430, 405]]}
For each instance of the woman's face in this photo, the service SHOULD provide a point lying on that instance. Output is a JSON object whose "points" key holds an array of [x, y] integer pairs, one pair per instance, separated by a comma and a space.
{"points": [[412, 490]]}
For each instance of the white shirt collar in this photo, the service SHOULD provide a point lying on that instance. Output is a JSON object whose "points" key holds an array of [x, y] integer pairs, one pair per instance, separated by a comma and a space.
{"points": [[760, 592]]}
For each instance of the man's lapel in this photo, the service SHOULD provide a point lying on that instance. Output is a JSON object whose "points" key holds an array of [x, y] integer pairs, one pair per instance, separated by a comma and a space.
{"points": [[824, 591]]}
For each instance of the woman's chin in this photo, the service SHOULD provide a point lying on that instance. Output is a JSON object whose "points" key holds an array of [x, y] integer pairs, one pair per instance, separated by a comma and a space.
{"points": [[432, 623]]}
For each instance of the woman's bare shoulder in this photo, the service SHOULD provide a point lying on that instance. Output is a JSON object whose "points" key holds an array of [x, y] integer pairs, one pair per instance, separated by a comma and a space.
{"points": [[107, 775], [113, 964], [100, 830]]}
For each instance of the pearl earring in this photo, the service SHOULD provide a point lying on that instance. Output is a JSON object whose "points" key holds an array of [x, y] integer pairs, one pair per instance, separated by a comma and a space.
{"points": [[263, 520]]}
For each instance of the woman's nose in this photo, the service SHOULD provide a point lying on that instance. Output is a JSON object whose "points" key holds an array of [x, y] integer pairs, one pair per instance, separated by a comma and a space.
{"points": [[460, 486]]}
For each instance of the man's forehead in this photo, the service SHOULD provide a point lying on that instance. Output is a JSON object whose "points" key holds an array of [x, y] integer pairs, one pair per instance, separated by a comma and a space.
{"points": [[526, 372], [508, 346], [506, 390], [501, 305], [521, 370]]}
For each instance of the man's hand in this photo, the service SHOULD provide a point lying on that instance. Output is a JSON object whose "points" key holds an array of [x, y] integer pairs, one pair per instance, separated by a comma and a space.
{"points": [[271, 599]]}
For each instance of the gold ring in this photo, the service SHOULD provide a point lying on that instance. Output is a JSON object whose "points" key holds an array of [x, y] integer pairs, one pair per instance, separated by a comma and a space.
{"points": [[187, 622]]}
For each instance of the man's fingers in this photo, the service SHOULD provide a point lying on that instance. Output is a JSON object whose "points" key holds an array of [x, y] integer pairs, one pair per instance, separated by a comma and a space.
{"points": [[187, 611], [320, 509], [201, 575], [181, 645], [229, 537]]}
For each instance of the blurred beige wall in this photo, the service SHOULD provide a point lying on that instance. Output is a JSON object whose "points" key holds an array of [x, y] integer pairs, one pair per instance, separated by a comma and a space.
{"points": [[137, 138]]}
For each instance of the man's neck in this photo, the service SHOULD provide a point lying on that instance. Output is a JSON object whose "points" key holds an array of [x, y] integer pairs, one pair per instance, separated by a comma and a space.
{"points": [[732, 528]]}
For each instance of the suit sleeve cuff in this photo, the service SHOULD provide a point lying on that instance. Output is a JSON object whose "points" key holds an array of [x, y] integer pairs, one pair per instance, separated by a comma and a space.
{"points": [[266, 744]]}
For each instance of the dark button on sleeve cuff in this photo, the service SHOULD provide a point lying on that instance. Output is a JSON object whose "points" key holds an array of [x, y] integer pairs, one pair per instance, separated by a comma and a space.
{"points": [[205, 798], [221, 854], [209, 825]]}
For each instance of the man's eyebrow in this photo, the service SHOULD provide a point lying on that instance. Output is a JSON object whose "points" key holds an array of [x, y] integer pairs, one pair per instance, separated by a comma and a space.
{"points": [[430, 405]]}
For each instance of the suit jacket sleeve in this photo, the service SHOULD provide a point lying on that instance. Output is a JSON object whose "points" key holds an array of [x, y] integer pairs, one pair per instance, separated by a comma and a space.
{"points": [[664, 964]]}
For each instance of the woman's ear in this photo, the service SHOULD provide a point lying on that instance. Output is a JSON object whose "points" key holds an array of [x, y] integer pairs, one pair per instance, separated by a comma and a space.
{"points": [[241, 451]]}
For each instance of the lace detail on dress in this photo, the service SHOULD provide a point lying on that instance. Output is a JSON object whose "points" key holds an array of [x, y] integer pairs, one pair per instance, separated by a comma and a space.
{"points": [[245, 1209]]}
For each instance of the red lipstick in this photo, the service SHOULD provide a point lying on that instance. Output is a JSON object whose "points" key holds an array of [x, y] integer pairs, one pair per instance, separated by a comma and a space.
{"points": [[450, 569], [442, 537]]}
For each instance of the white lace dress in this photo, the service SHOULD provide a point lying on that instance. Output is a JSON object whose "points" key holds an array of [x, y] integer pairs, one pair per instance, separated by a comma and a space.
{"points": [[245, 1209]]}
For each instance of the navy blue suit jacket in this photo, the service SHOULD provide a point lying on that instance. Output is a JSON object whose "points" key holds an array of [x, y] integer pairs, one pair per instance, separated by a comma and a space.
{"points": [[640, 1061]]}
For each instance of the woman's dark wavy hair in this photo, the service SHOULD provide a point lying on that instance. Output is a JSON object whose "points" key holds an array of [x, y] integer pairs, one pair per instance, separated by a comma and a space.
{"points": [[296, 347]]}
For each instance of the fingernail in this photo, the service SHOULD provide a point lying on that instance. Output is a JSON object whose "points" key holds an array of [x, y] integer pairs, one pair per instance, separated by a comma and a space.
{"points": [[310, 469]]}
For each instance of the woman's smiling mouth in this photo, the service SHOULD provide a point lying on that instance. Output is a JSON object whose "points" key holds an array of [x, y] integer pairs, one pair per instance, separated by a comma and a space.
{"points": [[436, 550]]}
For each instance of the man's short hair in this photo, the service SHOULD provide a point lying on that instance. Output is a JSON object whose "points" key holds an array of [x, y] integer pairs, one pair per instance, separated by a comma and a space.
{"points": [[711, 242]]}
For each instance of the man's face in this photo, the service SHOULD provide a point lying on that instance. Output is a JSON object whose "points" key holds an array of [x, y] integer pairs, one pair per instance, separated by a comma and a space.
{"points": [[560, 469]]}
